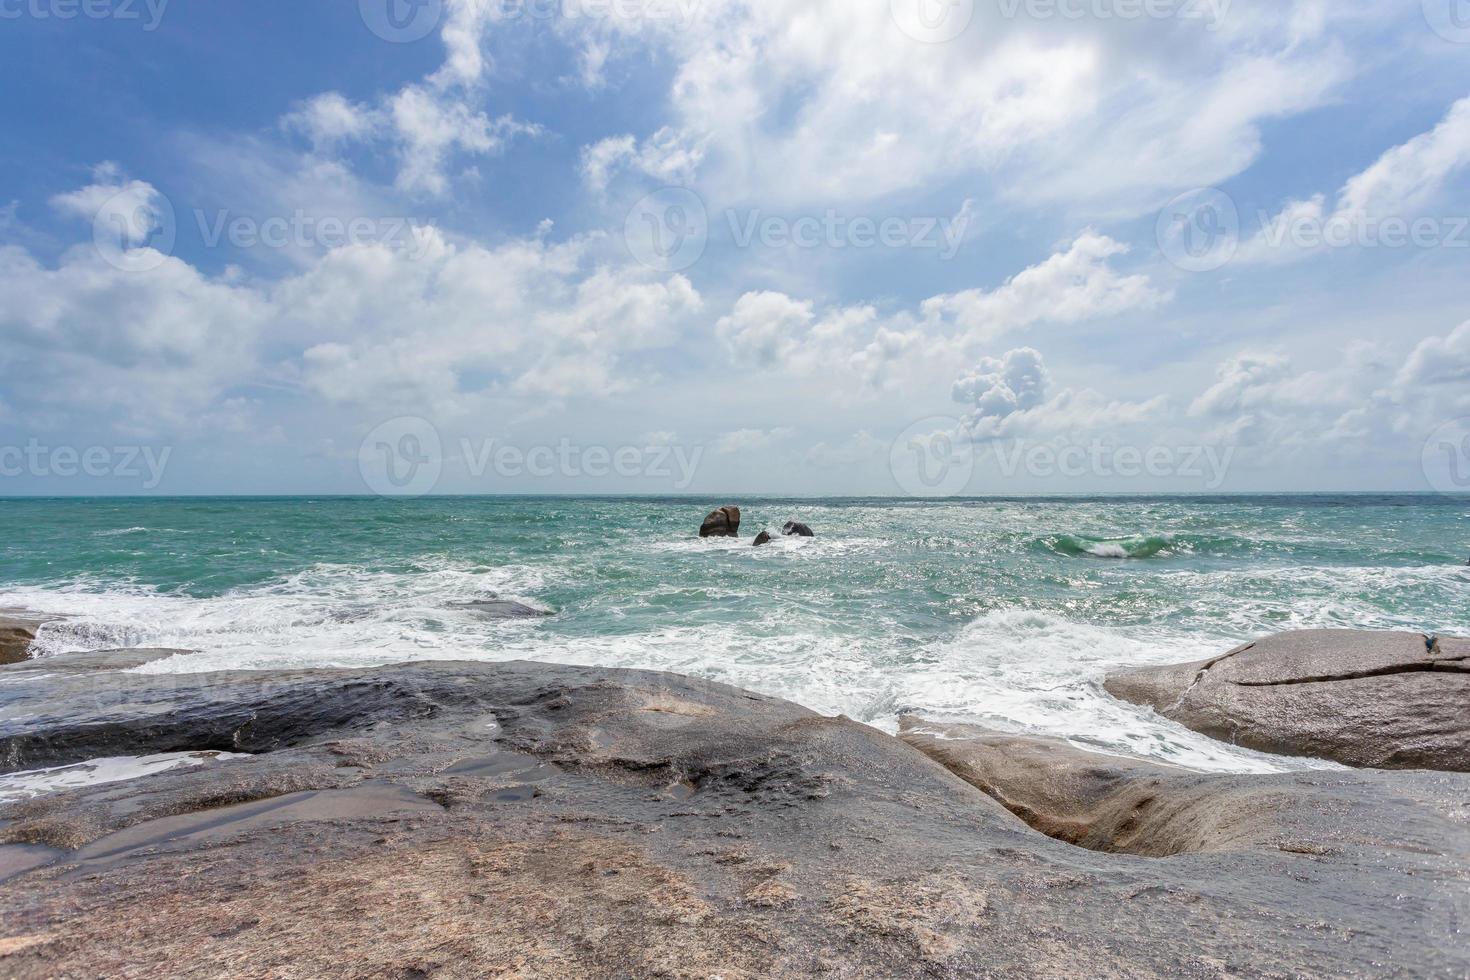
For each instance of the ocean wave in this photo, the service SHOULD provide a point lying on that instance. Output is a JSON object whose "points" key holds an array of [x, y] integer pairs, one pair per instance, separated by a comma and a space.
{"points": [[1135, 546]]}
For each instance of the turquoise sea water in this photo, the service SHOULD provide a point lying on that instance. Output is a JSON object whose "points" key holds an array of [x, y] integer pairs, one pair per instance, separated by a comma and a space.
{"points": [[1003, 612]]}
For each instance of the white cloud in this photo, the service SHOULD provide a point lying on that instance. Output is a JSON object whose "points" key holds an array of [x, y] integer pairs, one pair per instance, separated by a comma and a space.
{"points": [[141, 350], [1363, 404], [430, 128], [667, 156], [1008, 395], [826, 101], [430, 123], [1438, 361], [1069, 287], [437, 324], [128, 210], [751, 440], [1399, 185], [329, 119], [861, 447]]}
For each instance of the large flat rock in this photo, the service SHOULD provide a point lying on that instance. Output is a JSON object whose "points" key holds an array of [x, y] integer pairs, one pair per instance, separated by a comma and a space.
{"points": [[472, 820], [1380, 700]]}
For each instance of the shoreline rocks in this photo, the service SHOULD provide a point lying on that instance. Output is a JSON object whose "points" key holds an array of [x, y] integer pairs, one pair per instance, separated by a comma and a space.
{"points": [[472, 819], [1366, 699], [797, 529], [17, 633]]}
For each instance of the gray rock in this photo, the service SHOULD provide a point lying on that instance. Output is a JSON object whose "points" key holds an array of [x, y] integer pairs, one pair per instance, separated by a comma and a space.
{"points": [[797, 529], [473, 819], [722, 523], [1381, 700], [763, 538], [502, 609]]}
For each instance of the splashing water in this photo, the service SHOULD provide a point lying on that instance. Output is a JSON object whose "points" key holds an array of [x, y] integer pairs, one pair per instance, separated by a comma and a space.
{"points": [[999, 612]]}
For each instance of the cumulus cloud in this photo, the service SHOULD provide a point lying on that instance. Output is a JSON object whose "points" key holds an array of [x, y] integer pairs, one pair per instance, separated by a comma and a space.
{"points": [[1069, 287], [1008, 396], [1363, 403], [1001, 386], [1398, 186], [431, 123], [815, 103], [128, 211], [1439, 361], [434, 323], [773, 331], [667, 156]]}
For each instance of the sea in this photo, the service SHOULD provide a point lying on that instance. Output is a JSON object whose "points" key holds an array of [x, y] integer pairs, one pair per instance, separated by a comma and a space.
{"points": [[1006, 613]]}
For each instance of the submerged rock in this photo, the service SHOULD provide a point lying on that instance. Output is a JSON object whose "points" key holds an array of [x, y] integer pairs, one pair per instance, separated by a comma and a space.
{"points": [[763, 538], [722, 523], [471, 819], [1380, 700], [502, 609], [797, 529]]}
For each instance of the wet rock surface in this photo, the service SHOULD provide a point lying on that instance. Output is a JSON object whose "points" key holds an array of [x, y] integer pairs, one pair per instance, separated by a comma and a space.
{"points": [[470, 820], [798, 530], [722, 523], [502, 609], [1381, 700], [17, 633]]}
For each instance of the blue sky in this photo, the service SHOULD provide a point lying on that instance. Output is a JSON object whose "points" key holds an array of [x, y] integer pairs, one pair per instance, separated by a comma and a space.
{"points": [[893, 247]]}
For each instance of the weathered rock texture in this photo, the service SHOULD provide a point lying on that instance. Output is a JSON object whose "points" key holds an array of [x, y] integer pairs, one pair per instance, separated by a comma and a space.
{"points": [[798, 529], [473, 820], [17, 633], [1381, 700], [502, 609], [722, 523]]}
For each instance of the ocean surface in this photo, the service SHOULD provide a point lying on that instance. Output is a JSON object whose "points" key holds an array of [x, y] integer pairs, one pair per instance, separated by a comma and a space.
{"points": [[1006, 613]]}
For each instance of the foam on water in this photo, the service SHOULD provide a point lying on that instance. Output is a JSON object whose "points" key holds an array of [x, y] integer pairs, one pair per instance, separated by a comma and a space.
{"points": [[970, 613]]}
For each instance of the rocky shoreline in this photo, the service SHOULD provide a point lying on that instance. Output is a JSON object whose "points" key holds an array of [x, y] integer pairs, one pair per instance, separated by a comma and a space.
{"points": [[473, 819]]}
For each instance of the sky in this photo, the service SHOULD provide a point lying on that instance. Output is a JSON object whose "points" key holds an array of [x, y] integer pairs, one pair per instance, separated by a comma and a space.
{"points": [[828, 247]]}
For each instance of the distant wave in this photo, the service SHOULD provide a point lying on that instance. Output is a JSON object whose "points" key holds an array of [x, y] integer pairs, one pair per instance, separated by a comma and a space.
{"points": [[1136, 546]]}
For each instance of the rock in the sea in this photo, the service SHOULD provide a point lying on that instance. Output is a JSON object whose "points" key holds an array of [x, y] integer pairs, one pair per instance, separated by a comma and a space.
{"points": [[797, 529], [502, 609], [474, 819], [17, 633], [722, 523], [1378, 700], [763, 538]]}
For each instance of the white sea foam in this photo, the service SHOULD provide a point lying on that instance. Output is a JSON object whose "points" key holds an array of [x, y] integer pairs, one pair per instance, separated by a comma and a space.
{"points": [[1011, 669], [37, 782]]}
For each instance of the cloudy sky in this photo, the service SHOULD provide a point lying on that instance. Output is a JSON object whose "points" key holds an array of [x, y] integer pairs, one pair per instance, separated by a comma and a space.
{"points": [[721, 246]]}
